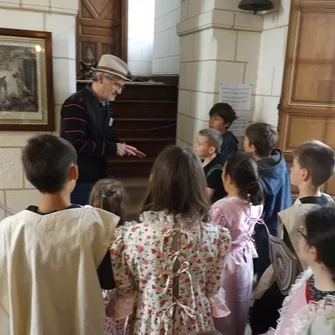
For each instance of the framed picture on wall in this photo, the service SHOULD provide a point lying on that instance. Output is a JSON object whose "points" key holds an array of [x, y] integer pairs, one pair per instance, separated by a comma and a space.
{"points": [[26, 86]]}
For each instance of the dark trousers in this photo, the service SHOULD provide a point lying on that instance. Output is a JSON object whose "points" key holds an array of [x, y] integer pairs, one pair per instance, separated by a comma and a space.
{"points": [[265, 312], [262, 246], [81, 193]]}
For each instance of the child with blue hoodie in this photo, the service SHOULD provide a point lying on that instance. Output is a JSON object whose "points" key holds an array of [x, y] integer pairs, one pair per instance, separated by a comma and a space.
{"points": [[260, 140]]}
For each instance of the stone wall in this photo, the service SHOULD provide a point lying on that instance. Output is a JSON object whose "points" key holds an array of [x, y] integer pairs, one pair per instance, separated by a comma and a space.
{"points": [[221, 44], [166, 41], [141, 16], [58, 17]]}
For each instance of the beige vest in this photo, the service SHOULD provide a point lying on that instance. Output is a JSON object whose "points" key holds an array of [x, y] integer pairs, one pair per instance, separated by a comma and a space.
{"points": [[292, 218], [48, 279]]}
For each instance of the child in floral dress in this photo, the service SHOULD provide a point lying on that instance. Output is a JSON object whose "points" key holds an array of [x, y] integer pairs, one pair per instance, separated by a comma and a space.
{"points": [[110, 195], [173, 260]]}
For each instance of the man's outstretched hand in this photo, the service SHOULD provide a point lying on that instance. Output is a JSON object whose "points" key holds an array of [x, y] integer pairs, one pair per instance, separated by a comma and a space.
{"points": [[128, 150]]}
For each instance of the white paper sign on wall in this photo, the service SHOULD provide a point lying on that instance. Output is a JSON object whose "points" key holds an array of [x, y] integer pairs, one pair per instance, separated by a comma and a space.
{"points": [[239, 97]]}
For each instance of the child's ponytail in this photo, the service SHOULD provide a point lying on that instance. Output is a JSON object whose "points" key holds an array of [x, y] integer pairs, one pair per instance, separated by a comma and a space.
{"points": [[242, 169], [255, 193], [110, 195]]}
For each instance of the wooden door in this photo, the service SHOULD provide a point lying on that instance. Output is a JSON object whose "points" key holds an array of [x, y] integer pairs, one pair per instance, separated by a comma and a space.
{"points": [[102, 28], [307, 108]]}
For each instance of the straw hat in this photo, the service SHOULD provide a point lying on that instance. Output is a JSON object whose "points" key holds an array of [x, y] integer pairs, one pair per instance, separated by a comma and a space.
{"points": [[113, 65]]}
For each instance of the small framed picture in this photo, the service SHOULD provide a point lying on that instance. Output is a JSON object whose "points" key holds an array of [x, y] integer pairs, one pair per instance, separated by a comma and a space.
{"points": [[26, 86]]}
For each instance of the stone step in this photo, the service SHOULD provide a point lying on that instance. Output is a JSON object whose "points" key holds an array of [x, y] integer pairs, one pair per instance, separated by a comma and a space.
{"points": [[124, 167]]}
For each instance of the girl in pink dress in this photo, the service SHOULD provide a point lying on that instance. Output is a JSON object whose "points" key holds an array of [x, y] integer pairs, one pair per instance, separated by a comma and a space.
{"points": [[110, 195], [173, 260], [239, 212], [310, 306]]}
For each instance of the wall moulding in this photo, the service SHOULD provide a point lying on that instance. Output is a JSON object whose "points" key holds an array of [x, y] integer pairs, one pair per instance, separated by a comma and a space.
{"points": [[38, 8], [220, 19]]}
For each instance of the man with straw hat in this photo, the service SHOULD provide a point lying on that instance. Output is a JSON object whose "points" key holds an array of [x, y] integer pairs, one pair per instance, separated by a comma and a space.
{"points": [[86, 122]]}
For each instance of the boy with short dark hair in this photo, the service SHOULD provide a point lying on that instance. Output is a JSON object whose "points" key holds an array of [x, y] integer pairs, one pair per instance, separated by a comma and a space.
{"points": [[50, 253], [221, 117], [207, 144], [260, 140], [313, 165]]}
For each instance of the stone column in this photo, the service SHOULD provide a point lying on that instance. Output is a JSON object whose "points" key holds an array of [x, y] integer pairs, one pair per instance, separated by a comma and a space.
{"points": [[219, 44]]}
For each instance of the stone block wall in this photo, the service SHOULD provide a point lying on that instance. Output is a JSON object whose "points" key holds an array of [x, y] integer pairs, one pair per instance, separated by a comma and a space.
{"points": [[221, 44], [58, 17], [166, 41], [141, 16]]}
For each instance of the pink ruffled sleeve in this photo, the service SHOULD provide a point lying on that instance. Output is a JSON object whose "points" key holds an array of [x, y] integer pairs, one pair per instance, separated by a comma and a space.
{"points": [[217, 215], [218, 304], [122, 299]]}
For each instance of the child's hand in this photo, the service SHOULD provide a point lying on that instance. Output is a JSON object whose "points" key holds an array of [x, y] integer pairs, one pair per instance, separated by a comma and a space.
{"points": [[120, 306], [110, 311]]}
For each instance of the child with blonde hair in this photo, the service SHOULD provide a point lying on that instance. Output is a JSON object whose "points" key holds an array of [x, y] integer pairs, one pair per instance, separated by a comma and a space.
{"points": [[110, 195], [206, 146]]}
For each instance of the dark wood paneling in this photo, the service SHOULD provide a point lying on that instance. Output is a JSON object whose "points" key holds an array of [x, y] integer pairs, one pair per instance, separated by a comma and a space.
{"points": [[145, 116], [101, 28], [145, 109], [121, 167], [149, 92], [146, 128]]}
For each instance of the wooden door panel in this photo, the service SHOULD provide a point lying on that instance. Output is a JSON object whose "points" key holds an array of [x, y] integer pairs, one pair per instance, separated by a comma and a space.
{"points": [[301, 129], [314, 58], [330, 132], [101, 29], [307, 106]]}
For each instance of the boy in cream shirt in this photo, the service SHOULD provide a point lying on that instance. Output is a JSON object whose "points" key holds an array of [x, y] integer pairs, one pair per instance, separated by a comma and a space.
{"points": [[50, 253]]}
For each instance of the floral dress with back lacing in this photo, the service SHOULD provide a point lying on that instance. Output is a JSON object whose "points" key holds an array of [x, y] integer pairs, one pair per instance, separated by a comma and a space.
{"points": [[172, 266]]}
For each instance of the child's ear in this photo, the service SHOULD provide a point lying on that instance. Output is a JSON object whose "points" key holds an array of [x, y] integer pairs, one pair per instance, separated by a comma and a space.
{"points": [[74, 173], [313, 253], [305, 174], [227, 179], [212, 150], [253, 148]]}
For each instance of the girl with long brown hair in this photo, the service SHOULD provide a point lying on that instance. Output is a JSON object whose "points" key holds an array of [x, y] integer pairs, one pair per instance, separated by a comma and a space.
{"points": [[173, 260]]}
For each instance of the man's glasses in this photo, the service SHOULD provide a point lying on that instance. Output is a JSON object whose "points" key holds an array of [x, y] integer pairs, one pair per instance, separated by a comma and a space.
{"points": [[112, 80]]}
